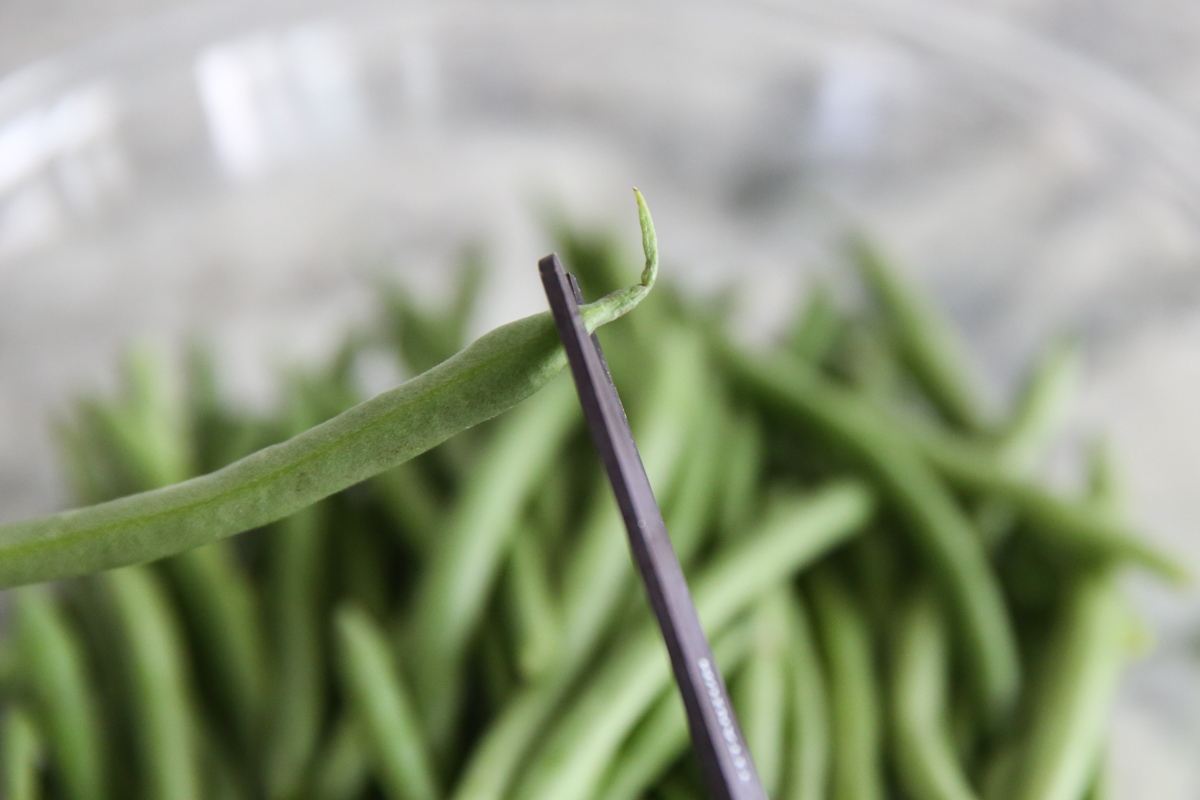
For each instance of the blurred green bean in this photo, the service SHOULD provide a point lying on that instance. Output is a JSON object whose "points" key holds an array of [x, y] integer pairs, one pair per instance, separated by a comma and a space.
{"points": [[1063, 744], [760, 695], [386, 716], [925, 759], [926, 341], [158, 684], [21, 748], [54, 666], [807, 773], [297, 658], [855, 714]]}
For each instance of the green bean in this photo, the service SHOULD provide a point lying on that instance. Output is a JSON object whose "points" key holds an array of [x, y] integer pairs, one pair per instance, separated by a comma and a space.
{"points": [[662, 737], [856, 724], [1071, 702], [1042, 406], [536, 625], [388, 722], [743, 457], [927, 342], [455, 584], [869, 364], [22, 753], [497, 371], [342, 770], [817, 327], [410, 501], [493, 763], [760, 694], [935, 520], [1039, 412], [924, 757], [691, 508], [499, 675], [579, 748], [808, 772], [54, 666], [598, 569], [219, 604], [297, 699], [222, 778], [158, 684], [1077, 527]]}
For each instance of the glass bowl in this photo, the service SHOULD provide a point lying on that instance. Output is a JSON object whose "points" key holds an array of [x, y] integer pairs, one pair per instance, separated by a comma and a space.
{"points": [[246, 174]]}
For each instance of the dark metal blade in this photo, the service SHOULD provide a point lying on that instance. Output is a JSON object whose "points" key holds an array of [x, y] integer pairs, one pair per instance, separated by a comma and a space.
{"points": [[716, 735]]}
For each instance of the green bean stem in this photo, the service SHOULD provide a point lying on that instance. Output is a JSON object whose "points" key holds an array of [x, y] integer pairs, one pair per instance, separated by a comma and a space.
{"points": [[854, 704], [383, 708], [925, 759], [54, 665]]}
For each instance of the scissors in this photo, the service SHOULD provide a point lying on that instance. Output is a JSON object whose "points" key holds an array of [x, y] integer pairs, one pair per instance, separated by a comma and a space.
{"points": [[716, 736]]}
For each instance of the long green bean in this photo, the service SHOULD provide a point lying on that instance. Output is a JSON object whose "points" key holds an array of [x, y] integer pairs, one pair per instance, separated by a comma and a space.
{"points": [[760, 693], [222, 610], [1042, 405], [925, 760], [927, 342], [854, 704], [808, 762], [497, 371], [385, 713], [54, 666], [1072, 701], [537, 628], [297, 661], [158, 684]]}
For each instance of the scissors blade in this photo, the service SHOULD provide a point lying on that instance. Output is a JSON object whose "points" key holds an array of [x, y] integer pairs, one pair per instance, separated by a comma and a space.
{"points": [[716, 736]]}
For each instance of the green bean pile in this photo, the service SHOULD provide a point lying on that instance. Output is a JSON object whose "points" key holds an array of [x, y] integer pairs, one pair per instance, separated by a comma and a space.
{"points": [[900, 606]]}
